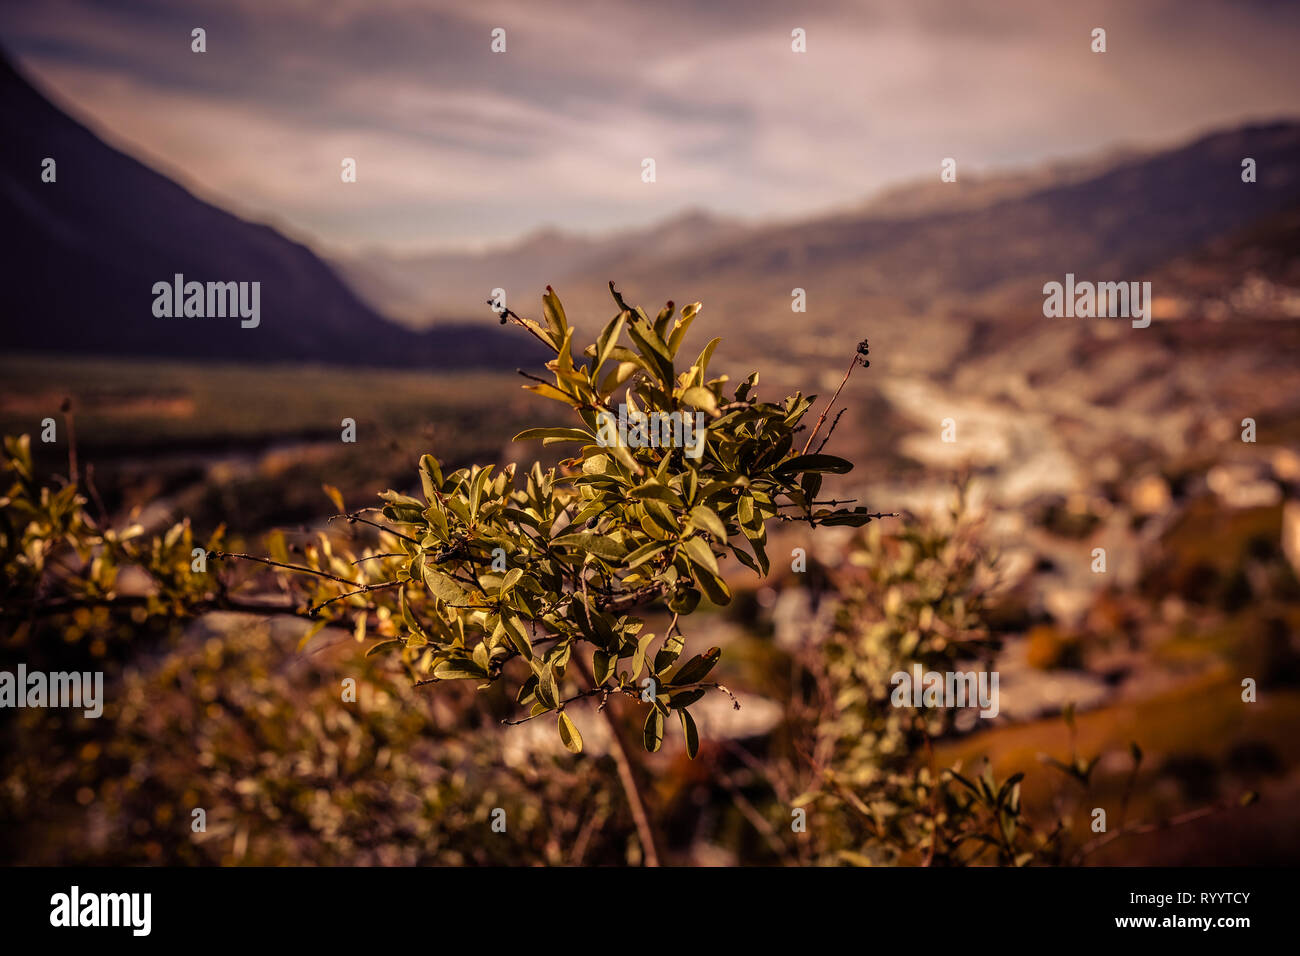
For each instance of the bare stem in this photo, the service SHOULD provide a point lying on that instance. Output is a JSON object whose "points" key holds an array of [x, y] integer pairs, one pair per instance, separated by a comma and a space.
{"points": [[626, 776], [279, 564], [831, 404]]}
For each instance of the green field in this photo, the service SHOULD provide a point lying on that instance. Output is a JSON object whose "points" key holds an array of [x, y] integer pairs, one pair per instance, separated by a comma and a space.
{"points": [[143, 404], [251, 445]]}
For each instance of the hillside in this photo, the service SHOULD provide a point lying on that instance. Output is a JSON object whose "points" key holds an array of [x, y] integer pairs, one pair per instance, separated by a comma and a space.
{"points": [[81, 256]]}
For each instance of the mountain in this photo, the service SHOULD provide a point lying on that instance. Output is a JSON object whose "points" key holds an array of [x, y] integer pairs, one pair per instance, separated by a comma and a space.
{"points": [[919, 197], [423, 288], [922, 273], [920, 265], [81, 256], [1125, 220]]}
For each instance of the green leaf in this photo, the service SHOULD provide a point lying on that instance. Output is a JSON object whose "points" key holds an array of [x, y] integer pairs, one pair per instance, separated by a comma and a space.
{"points": [[661, 321], [459, 670], [668, 653], [638, 658], [555, 434], [659, 492], [596, 544], [550, 391], [701, 398], [692, 733], [702, 363], [698, 550], [684, 698], [645, 553], [706, 519], [854, 519], [602, 665], [654, 350], [684, 600], [1008, 786], [518, 635], [697, 668], [418, 637], [553, 312], [714, 587], [964, 782], [430, 475], [444, 587], [608, 339], [569, 735], [384, 646], [547, 690], [653, 733], [822, 463], [476, 489], [335, 496], [681, 326], [662, 515]]}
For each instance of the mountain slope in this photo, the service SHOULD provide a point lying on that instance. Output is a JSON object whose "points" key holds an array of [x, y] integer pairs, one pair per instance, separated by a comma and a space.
{"points": [[1125, 220], [918, 280], [419, 289], [81, 256]]}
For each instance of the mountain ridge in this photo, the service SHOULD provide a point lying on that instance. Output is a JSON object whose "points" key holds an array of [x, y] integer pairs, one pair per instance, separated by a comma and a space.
{"points": [[83, 252]]}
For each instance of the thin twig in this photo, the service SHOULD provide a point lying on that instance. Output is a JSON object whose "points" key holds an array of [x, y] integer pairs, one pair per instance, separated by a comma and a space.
{"points": [[831, 431], [831, 403], [372, 557], [361, 590], [356, 516], [278, 564]]}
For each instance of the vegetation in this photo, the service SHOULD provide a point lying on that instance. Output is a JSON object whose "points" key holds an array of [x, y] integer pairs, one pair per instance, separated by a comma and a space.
{"points": [[482, 570], [519, 592], [479, 572]]}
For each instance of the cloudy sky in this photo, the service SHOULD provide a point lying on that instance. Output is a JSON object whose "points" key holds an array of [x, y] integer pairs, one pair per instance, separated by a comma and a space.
{"points": [[459, 146]]}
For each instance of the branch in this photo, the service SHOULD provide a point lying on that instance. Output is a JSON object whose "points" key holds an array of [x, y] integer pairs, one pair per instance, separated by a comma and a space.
{"points": [[277, 564], [626, 776], [508, 314], [356, 516], [858, 356], [631, 599], [45, 607], [811, 520], [361, 590]]}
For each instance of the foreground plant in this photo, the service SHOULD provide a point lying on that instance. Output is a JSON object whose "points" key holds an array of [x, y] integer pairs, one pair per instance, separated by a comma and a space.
{"points": [[487, 569], [878, 791], [58, 560], [532, 578]]}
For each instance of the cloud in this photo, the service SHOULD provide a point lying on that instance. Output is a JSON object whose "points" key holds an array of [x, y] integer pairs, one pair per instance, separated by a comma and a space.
{"points": [[457, 144]]}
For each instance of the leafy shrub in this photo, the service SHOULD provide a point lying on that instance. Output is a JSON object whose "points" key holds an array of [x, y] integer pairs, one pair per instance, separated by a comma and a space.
{"points": [[232, 722], [915, 597], [61, 563], [485, 578], [485, 569]]}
